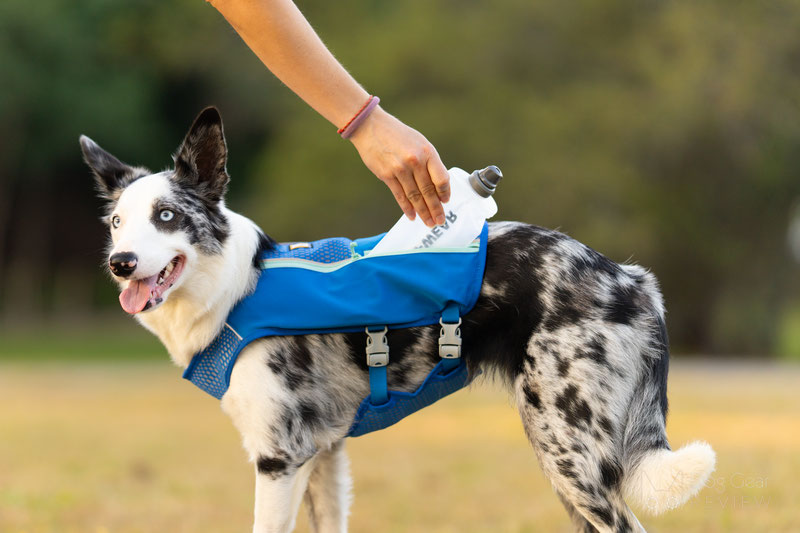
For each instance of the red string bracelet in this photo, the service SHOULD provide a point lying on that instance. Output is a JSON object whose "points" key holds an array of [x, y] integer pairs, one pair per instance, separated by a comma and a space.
{"points": [[350, 128]]}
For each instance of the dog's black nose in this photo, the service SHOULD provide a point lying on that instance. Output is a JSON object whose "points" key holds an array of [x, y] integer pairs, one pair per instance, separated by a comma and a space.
{"points": [[123, 264]]}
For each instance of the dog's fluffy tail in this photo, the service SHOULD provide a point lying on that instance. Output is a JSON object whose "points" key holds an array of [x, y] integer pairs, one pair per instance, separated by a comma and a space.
{"points": [[657, 478], [663, 479]]}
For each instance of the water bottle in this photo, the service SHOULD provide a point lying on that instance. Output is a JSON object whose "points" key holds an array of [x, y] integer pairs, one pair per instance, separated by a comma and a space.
{"points": [[470, 204]]}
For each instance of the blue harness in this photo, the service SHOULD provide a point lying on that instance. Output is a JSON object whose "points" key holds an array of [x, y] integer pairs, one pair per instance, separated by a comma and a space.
{"points": [[334, 285]]}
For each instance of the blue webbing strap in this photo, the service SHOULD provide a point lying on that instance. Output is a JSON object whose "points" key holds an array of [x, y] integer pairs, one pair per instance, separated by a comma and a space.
{"points": [[378, 386], [450, 315], [378, 353], [377, 359]]}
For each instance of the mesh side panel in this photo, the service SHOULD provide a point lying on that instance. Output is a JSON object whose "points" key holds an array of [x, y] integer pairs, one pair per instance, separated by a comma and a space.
{"points": [[373, 418], [210, 366], [324, 251]]}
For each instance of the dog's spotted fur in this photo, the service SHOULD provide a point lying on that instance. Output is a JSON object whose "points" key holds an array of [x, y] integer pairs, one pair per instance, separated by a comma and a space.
{"points": [[579, 339]]}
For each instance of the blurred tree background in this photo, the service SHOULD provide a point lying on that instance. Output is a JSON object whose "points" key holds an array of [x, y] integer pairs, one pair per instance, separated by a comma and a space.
{"points": [[663, 133]]}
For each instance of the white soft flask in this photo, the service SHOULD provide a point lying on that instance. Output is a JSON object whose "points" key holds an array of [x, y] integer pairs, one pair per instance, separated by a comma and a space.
{"points": [[470, 204]]}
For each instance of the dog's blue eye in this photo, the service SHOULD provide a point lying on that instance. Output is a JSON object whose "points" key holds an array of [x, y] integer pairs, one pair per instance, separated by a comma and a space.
{"points": [[115, 221], [166, 215]]}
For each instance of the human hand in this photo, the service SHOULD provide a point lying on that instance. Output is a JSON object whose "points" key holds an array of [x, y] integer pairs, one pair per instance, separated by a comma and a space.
{"points": [[407, 163]]}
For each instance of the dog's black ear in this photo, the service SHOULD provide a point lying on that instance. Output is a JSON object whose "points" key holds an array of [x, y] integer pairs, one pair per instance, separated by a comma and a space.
{"points": [[111, 174], [201, 158]]}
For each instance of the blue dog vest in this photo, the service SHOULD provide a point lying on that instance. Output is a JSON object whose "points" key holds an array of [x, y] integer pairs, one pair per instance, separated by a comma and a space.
{"points": [[335, 285]]}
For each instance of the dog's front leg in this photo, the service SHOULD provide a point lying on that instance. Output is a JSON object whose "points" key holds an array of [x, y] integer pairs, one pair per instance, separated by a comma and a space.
{"points": [[278, 495]]}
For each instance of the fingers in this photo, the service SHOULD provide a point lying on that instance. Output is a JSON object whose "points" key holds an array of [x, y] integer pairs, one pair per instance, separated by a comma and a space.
{"points": [[430, 195], [415, 195], [425, 185], [433, 183], [440, 177], [400, 196]]}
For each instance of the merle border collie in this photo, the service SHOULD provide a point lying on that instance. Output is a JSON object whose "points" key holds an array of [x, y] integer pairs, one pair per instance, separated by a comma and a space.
{"points": [[579, 340]]}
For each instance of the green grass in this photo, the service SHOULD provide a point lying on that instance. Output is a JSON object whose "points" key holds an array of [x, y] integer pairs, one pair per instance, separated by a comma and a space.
{"points": [[130, 447]]}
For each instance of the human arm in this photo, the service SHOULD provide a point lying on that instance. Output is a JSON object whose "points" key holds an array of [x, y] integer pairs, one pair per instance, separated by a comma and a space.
{"points": [[398, 155]]}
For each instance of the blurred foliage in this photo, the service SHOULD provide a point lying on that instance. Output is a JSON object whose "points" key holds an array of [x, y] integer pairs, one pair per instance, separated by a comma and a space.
{"points": [[663, 133], [68, 340]]}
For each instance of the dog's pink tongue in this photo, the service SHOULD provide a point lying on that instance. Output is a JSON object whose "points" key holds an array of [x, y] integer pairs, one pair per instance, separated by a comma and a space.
{"points": [[137, 294]]}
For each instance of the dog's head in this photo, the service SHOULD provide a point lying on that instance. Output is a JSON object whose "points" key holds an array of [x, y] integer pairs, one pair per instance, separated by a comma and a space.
{"points": [[163, 224]]}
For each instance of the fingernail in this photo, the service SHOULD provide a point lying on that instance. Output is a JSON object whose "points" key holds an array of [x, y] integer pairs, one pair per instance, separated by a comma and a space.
{"points": [[440, 220]]}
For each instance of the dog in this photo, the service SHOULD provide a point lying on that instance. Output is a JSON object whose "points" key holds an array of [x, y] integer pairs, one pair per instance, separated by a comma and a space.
{"points": [[578, 339]]}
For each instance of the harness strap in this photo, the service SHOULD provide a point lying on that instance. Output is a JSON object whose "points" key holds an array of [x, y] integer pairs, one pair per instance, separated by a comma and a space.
{"points": [[450, 337], [377, 359], [377, 351]]}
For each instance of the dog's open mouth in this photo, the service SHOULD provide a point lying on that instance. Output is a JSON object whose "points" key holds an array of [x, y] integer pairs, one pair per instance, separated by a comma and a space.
{"points": [[142, 294]]}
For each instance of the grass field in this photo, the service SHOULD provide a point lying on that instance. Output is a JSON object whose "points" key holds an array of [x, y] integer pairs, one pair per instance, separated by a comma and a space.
{"points": [[129, 447]]}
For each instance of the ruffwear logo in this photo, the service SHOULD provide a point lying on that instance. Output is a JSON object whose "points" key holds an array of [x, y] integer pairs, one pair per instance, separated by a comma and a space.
{"points": [[438, 231], [665, 491], [739, 491]]}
